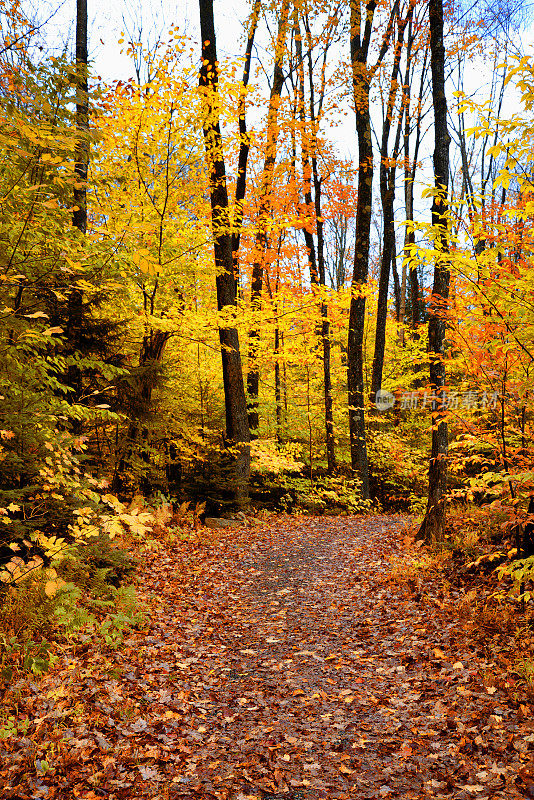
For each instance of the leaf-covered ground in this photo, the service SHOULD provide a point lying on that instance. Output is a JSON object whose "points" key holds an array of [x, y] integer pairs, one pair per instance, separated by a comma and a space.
{"points": [[281, 662]]}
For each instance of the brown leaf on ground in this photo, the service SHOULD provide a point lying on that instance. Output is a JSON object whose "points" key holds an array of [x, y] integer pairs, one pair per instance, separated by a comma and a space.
{"points": [[281, 662]]}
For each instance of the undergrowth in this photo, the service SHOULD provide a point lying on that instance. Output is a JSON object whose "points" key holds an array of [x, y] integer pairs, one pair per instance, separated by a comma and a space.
{"points": [[84, 594], [325, 495], [476, 567]]}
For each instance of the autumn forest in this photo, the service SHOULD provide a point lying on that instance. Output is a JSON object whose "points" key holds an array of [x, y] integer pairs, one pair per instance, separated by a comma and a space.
{"points": [[267, 312]]}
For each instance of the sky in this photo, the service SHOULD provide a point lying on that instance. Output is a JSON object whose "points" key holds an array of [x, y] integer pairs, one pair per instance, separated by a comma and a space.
{"points": [[107, 22]]}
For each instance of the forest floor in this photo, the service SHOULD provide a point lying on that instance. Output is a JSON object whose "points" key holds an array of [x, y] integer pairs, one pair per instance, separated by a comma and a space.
{"points": [[285, 660]]}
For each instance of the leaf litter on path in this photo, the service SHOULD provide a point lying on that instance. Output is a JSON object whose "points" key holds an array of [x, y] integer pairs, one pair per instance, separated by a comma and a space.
{"points": [[281, 662]]}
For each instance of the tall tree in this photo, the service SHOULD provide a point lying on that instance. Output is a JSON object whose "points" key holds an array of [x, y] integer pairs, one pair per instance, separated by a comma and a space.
{"points": [[79, 217], [410, 169], [237, 430], [388, 169], [244, 139], [264, 213], [361, 30], [313, 202], [433, 523]]}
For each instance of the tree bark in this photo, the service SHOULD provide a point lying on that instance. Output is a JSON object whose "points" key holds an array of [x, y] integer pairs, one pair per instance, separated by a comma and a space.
{"points": [[277, 345], [362, 75], [387, 197], [409, 180], [361, 78], [253, 376], [432, 528], [310, 170], [325, 332], [79, 217], [244, 143], [355, 358], [150, 356], [237, 431]]}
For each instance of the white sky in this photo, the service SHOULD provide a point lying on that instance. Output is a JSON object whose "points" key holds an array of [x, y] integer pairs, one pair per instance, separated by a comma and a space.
{"points": [[107, 20]]}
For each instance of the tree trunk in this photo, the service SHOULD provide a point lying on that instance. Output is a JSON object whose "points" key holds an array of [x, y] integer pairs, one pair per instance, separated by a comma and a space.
{"points": [[237, 431], [150, 355], [277, 383], [244, 143], [362, 75], [432, 528], [409, 180], [310, 171], [253, 376], [396, 279], [355, 355], [387, 196], [408, 184], [277, 341], [79, 217], [325, 331]]}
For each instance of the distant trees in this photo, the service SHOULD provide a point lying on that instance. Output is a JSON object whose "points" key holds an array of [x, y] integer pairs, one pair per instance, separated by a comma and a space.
{"points": [[196, 226]]}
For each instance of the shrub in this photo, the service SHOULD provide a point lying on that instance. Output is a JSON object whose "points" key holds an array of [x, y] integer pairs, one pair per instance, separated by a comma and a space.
{"points": [[399, 471], [26, 624], [97, 563], [327, 495]]}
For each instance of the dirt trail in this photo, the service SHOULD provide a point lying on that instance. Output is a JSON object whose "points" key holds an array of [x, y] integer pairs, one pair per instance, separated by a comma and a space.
{"points": [[281, 662]]}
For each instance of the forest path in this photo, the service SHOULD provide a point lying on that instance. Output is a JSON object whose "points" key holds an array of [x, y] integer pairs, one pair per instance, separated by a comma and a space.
{"points": [[283, 662]]}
